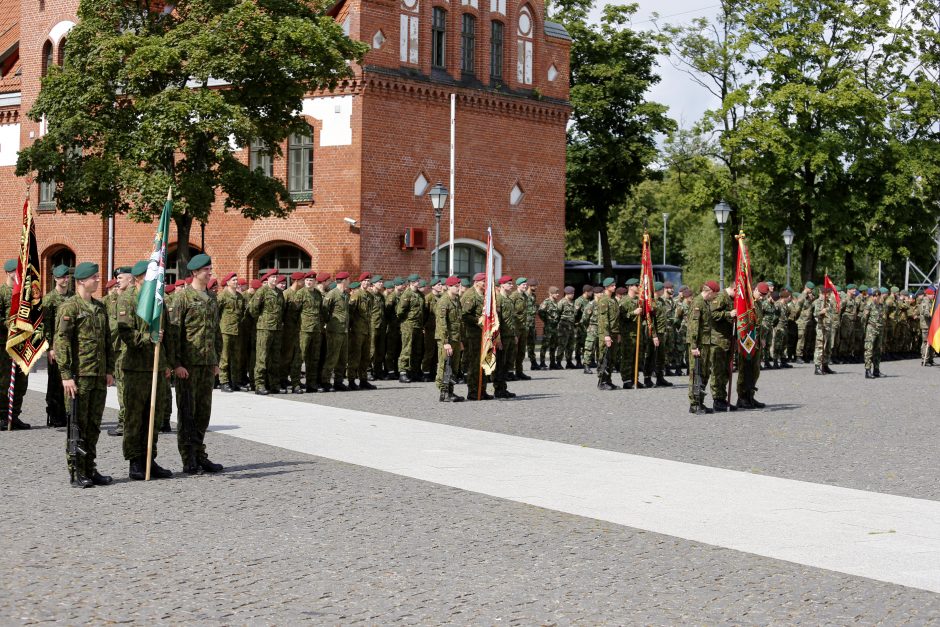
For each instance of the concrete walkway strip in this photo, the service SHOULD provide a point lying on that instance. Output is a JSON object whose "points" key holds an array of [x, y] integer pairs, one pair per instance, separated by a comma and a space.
{"points": [[868, 534]]}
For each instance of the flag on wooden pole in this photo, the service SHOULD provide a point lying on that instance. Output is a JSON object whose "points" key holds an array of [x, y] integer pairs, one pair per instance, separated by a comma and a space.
{"points": [[25, 341], [744, 299], [150, 298]]}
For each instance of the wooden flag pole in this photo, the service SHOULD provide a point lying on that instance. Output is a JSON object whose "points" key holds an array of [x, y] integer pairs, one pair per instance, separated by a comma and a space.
{"points": [[10, 393], [636, 362], [153, 408]]}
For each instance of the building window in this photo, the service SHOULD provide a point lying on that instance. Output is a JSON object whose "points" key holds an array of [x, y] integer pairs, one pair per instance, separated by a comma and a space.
{"points": [[409, 32], [468, 43], [496, 51], [300, 163], [46, 195], [259, 158], [524, 47], [468, 260], [62, 52], [171, 272], [47, 57], [438, 37], [285, 259]]}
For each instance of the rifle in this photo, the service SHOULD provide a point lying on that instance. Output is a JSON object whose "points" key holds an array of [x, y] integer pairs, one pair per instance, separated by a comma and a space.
{"points": [[602, 373], [448, 372], [74, 446], [187, 421], [697, 392]]}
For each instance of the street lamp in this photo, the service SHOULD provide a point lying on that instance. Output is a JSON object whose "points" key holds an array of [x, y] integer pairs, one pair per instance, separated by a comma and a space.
{"points": [[788, 242], [665, 220], [722, 211], [438, 196]]}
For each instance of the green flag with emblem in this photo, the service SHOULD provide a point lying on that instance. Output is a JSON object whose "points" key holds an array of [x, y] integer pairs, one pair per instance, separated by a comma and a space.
{"points": [[150, 297]]}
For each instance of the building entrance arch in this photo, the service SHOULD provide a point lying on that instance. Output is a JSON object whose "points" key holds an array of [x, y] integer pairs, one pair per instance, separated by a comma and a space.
{"points": [[284, 257]]}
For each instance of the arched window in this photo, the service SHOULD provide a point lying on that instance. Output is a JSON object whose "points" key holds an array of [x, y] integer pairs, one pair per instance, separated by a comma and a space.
{"points": [[468, 260], [63, 256], [438, 37], [61, 55], [48, 60], [524, 44], [468, 43], [286, 259], [496, 51], [300, 166]]}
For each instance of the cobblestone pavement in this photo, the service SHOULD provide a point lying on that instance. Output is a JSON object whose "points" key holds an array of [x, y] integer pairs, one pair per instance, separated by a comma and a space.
{"points": [[282, 537]]}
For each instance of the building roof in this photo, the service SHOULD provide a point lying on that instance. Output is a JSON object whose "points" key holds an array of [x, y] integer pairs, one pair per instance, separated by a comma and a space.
{"points": [[9, 45], [554, 29]]}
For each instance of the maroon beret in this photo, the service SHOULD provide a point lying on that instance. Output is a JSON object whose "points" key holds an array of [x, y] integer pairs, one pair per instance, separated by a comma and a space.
{"points": [[342, 275], [255, 284], [228, 277], [298, 276], [365, 275], [323, 276], [479, 276], [112, 283], [763, 288], [267, 275], [452, 281], [212, 283], [169, 289], [243, 281], [180, 283], [505, 279], [712, 285]]}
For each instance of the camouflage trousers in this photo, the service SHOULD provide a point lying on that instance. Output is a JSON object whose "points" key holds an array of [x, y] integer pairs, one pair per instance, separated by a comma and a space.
{"points": [[721, 371], [510, 346], [377, 350], [409, 358], [289, 353], [749, 373], [137, 385], [522, 347], [55, 396], [872, 349], [549, 343], [119, 383], [780, 343], [823, 350], [806, 337], [229, 362], [606, 359], [191, 433], [19, 387], [392, 347], [472, 358], [266, 375], [92, 392], [310, 356], [502, 366], [926, 350], [630, 369], [590, 340], [699, 366], [565, 344], [442, 365], [334, 365], [357, 361], [530, 344], [580, 336], [429, 359]]}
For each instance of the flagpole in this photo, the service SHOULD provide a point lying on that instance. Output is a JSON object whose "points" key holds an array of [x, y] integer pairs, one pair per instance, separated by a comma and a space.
{"points": [[10, 395], [153, 408], [636, 362]]}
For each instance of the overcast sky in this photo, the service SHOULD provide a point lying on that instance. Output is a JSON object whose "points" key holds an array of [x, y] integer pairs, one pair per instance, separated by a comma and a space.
{"points": [[686, 100]]}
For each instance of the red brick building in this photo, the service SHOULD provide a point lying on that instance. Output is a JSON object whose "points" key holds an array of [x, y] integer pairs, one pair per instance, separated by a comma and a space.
{"points": [[377, 144]]}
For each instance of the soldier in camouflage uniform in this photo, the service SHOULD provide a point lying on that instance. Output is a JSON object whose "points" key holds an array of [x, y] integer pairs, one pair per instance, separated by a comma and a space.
{"points": [[194, 320], [6, 362], [589, 326], [336, 314], [662, 321], [231, 313], [630, 312], [768, 315], [393, 328], [608, 333], [824, 311], [700, 343], [722, 343], [377, 347], [550, 313], [471, 306], [567, 320], [520, 306], [267, 309], [890, 323], [123, 281], [83, 346], [138, 363], [429, 360], [749, 364], [682, 328], [531, 313], [55, 399], [873, 321], [924, 316], [360, 333], [248, 332], [448, 330], [310, 328], [289, 359], [507, 337], [805, 323], [409, 310], [781, 341], [587, 296]]}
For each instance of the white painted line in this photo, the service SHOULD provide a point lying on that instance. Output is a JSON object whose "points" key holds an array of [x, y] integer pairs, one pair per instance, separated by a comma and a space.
{"points": [[889, 538]]}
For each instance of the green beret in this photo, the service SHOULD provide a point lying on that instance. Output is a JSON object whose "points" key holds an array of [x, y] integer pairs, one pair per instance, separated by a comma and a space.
{"points": [[354, 285], [770, 283], [632, 282], [85, 269], [850, 286], [465, 282], [140, 267], [199, 261], [894, 289], [905, 293], [10, 265], [124, 270], [388, 284], [398, 281], [436, 282], [413, 277], [331, 286], [863, 288], [657, 285], [609, 281], [521, 280], [60, 271], [883, 290], [377, 278], [810, 285]]}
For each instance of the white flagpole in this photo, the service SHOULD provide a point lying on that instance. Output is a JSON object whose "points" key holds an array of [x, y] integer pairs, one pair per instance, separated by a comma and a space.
{"points": [[453, 191]]}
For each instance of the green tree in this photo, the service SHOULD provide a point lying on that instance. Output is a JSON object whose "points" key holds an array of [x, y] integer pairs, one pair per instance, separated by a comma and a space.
{"points": [[613, 130], [151, 97]]}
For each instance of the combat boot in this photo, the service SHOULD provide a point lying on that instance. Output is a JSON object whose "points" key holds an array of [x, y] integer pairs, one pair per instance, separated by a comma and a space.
{"points": [[578, 363], [210, 466], [261, 391], [606, 386], [352, 385], [639, 384], [661, 382], [365, 385], [745, 403], [827, 370], [818, 370], [721, 405], [136, 470], [628, 385], [556, 365], [868, 374], [454, 398], [510, 376], [700, 410], [339, 387], [542, 365], [569, 365], [80, 481], [587, 370], [523, 376], [785, 364], [19, 425], [226, 388], [876, 372], [647, 382], [756, 404], [404, 378], [99, 479], [504, 394], [159, 472]]}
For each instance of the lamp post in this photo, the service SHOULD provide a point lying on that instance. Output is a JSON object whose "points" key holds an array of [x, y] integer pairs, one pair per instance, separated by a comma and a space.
{"points": [[788, 241], [722, 211], [665, 220], [438, 196]]}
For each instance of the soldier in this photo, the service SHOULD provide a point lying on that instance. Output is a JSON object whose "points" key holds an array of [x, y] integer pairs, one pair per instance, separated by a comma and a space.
{"points": [[85, 361], [589, 324], [780, 339], [309, 302], [531, 313], [231, 312], [722, 332], [393, 329], [662, 314], [824, 311], [267, 308], [567, 320], [409, 310], [336, 314], [682, 328], [124, 281], [55, 400], [805, 323], [670, 348], [873, 321], [290, 336], [360, 333], [447, 329], [6, 362], [507, 337], [471, 306], [520, 305], [924, 316], [768, 318], [749, 364], [194, 320], [848, 321], [379, 327], [549, 313], [580, 325], [630, 312], [700, 355], [608, 330], [138, 364], [428, 361], [249, 334]]}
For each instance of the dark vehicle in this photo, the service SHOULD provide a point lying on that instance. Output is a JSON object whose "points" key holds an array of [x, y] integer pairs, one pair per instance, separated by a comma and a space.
{"points": [[577, 273]]}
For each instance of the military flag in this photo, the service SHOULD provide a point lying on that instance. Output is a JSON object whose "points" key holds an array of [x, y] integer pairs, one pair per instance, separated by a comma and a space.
{"points": [[490, 322], [828, 283], [744, 299], [25, 341], [933, 333], [150, 299], [646, 282]]}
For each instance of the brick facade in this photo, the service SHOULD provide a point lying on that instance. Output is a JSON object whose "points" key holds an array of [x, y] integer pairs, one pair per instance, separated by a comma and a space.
{"points": [[373, 137]]}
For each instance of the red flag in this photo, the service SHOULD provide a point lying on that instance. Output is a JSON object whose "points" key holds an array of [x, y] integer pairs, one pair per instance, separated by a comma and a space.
{"points": [[744, 299], [933, 333], [646, 281], [490, 322], [26, 342], [828, 283]]}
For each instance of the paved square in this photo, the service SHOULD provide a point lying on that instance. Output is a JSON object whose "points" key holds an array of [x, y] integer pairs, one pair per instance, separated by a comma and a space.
{"points": [[285, 536]]}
